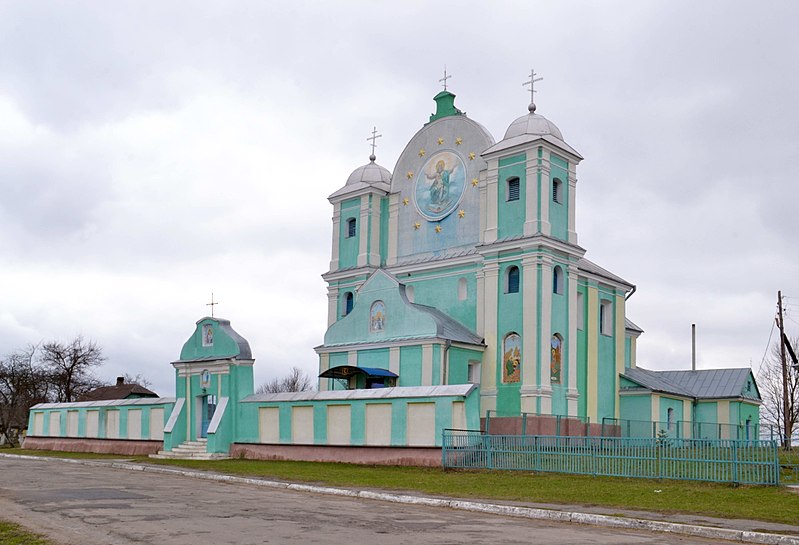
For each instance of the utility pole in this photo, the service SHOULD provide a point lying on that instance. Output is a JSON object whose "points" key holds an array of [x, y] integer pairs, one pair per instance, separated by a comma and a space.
{"points": [[786, 439]]}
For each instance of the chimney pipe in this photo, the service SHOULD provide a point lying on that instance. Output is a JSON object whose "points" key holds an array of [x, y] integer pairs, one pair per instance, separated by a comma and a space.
{"points": [[120, 381], [693, 347]]}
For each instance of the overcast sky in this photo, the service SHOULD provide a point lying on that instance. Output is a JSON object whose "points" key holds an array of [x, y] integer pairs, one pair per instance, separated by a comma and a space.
{"points": [[154, 152]]}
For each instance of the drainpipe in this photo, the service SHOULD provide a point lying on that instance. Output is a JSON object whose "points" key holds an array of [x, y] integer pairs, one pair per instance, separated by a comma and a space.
{"points": [[447, 345]]}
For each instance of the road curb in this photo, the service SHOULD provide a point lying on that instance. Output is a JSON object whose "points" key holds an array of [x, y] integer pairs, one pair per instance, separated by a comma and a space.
{"points": [[608, 521]]}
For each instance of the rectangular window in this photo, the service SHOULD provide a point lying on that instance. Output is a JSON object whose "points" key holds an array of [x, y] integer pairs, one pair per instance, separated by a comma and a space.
{"points": [[350, 227], [513, 189], [605, 317], [474, 372]]}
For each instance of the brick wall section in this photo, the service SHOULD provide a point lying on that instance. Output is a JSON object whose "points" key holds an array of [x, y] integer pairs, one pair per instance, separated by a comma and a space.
{"points": [[394, 456], [96, 446]]}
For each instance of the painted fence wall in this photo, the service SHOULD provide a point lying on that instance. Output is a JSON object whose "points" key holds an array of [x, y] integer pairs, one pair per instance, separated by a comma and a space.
{"points": [[141, 419], [399, 417]]}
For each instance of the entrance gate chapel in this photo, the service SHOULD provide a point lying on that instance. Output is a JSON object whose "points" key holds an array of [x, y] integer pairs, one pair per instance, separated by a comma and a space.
{"points": [[212, 375]]}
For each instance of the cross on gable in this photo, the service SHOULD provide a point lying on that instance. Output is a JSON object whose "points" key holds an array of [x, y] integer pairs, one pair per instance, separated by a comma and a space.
{"points": [[211, 304]]}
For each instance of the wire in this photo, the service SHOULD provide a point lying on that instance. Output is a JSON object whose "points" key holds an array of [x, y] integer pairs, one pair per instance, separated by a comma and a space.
{"points": [[768, 345]]}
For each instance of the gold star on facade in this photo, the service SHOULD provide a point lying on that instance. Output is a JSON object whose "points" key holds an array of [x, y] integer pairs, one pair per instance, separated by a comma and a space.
{"points": [[438, 228], [405, 201], [422, 152], [410, 174], [475, 181], [458, 141], [417, 225], [461, 213], [471, 156], [440, 140]]}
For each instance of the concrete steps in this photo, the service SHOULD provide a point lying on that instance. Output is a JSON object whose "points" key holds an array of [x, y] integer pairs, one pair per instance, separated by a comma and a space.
{"points": [[190, 450]]}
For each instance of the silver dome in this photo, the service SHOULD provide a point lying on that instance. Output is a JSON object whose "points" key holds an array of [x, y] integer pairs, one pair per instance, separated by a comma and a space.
{"points": [[370, 173], [535, 124]]}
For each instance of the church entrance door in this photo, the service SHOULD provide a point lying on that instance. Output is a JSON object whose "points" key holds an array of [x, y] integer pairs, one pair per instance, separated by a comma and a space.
{"points": [[208, 408]]}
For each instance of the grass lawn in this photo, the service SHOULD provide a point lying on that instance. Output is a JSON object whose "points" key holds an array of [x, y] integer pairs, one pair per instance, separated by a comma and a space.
{"points": [[765, 503], [13, 534]]}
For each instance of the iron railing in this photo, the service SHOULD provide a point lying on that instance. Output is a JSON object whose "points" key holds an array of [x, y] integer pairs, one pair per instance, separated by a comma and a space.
{"points": [[713, 460]]}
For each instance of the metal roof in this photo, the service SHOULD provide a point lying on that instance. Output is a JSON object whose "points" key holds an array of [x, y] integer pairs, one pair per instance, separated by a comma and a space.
{"points": [[700, 384], [448, 328], [590, 267], [374, 393]]}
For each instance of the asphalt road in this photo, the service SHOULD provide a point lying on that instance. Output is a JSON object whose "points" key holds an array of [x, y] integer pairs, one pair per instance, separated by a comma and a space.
{"points": [[82, 505]]}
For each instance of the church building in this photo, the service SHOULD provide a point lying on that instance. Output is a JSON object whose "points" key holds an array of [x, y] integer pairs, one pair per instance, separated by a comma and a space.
{"points": [[463, 266], [458, 296]]}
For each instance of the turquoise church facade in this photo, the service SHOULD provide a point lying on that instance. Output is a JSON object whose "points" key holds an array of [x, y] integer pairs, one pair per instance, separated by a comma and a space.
{"points": [[456, 290]]}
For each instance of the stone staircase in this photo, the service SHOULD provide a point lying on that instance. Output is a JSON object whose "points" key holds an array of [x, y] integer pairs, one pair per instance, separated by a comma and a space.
{"points": [[191, 450]]}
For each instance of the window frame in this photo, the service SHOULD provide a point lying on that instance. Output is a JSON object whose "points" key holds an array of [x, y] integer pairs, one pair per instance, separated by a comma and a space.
{"points": [[509, 196], [508, 272], [352, 228]]}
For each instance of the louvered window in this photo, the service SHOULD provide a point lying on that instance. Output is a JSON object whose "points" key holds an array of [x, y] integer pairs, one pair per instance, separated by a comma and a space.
{"points": [[513, 189], [513, 280], [557, 191], [350, 227]]}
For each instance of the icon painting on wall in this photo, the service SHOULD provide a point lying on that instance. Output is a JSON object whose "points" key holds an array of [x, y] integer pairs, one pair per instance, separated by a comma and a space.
{"points": [[377, 316], [208, 335], [555, 359], [440, 185], [512, 358]]}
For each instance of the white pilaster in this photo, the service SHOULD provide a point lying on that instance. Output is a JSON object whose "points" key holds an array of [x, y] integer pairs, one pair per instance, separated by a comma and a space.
{"points": [[394, 360], [374, 243], [332, 305], [544, 349], [572, 233], [531, 199], [427, 365], [489, 378], [324, 365], [336, 235], [545, 194], [393, 233], [363, 233], [529, 325], [572, 394], [491, 196]]}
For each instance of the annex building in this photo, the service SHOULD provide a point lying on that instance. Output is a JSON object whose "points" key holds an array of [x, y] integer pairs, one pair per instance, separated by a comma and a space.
{"points": [[458, 295]]}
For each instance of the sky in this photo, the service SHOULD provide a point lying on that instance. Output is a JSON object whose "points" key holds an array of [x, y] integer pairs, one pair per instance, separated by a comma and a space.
{"points": [[153, 153]]}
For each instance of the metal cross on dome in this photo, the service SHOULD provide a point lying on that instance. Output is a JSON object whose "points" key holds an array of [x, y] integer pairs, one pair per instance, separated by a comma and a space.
{"points": [[531, 83], [445, 78], [374, 137], [211, 304]]}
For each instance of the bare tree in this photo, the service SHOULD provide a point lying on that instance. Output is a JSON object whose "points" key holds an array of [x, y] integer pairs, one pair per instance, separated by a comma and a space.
{"points": [[770, 383], [70, 367], [138, 378], [297, 380], [23, 384]]}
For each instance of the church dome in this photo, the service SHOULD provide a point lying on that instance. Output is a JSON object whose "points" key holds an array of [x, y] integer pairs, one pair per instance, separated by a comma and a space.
{"points": [[370, 173], [369, 176], [533, 124]]}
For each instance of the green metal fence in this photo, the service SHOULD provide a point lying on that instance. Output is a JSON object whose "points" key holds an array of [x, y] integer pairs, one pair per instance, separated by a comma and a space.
{"points": [[714, 460], [680, 429]]}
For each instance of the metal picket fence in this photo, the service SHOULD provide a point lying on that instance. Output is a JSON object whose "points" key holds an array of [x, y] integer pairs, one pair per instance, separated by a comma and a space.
{"points": [[713, 460]]}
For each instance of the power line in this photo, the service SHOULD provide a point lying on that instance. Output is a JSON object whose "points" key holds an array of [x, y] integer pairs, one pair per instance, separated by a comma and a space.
{"points": [[768, 345]]}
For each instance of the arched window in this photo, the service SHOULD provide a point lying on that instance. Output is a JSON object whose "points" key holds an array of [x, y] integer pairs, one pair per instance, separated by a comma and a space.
{"points": [[512, 279], [350, 227], [348, 301], [462, 289], [512, 358], [556, 356], [557, 280], [512, 193], [557, 190]]}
